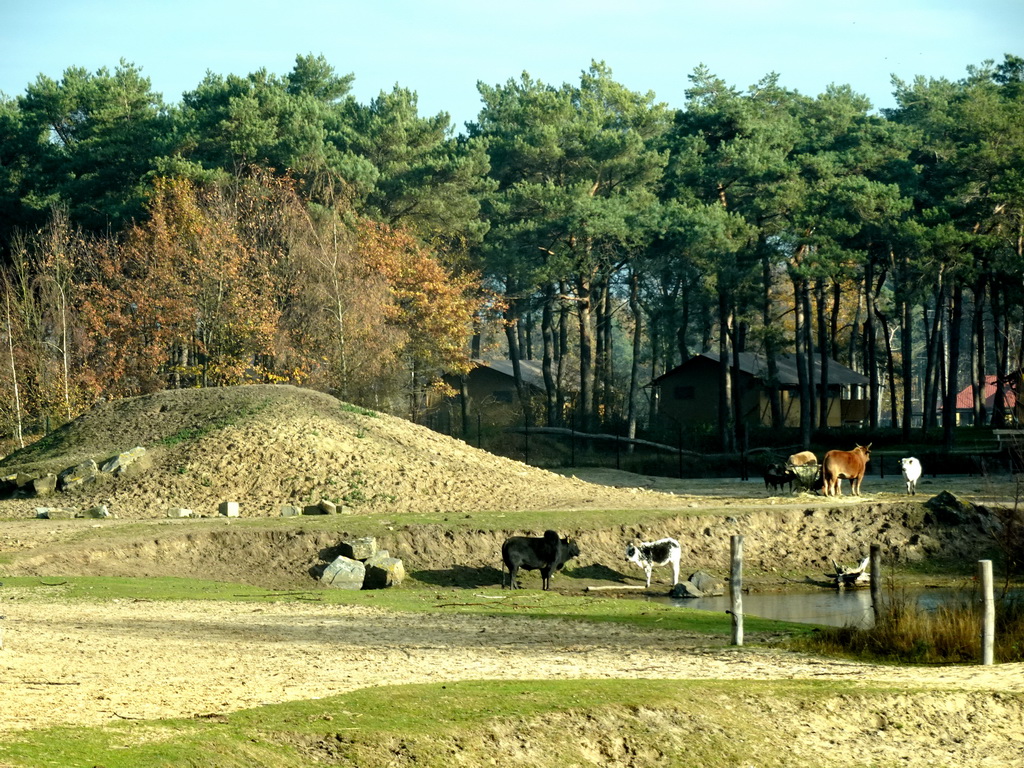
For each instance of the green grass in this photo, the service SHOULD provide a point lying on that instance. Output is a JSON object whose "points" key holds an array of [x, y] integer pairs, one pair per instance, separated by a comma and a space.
{"points": [[908, 634], [358, 410], [409, 598], [194, 433], [713, 724]]}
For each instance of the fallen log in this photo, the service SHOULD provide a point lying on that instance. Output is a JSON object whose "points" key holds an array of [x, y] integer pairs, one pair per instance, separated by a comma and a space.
{"points": [[844, 577], [614, 586]]}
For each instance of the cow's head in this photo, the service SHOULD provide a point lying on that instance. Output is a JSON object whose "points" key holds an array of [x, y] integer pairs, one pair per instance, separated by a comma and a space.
{"points": [[633, 551], [865, 449]]}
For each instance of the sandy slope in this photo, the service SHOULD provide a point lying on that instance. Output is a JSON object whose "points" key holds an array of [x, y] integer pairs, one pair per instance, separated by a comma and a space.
{"points": [[90, 664]]}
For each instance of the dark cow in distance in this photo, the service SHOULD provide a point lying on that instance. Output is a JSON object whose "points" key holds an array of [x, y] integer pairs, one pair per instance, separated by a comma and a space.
{"points": [[848, 464], [778, 475], [547, 553]]}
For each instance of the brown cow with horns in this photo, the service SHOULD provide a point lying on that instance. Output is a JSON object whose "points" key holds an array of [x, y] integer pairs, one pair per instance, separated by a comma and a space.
{"points": [[848, 464]]}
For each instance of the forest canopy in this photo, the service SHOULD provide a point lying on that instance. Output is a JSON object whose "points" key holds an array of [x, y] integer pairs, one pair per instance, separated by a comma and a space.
{"points": [[271, 228]]}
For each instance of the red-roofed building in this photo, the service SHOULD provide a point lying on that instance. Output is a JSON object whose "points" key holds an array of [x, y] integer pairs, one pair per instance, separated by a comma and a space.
{"points": [[965, 401]]}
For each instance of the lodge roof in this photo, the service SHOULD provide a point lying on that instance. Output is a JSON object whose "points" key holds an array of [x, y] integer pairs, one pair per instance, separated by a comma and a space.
{"points": [[757, 366], [532, 372], [965, 397]]}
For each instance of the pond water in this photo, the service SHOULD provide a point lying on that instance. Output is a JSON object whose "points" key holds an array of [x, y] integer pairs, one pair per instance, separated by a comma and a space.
{"points": [[829, 607]]}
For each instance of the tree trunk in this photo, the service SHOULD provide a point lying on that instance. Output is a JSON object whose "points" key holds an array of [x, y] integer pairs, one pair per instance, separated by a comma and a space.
{"points": [[514, 353], [871, 345], [770, 343], [978, 353], [585, 319], [906, 367], [1001, 350], [634, 371], [823, 347], [932, 330], [949, 406], [725, 432], [547, 333], [803, 379]]}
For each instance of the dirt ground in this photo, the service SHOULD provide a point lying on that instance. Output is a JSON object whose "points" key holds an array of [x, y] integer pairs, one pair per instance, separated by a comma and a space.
{"points": [[85, 663]]}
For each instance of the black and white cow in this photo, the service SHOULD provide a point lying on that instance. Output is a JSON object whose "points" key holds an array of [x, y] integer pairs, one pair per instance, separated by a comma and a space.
{"points": [[547, 553], [648, 554]]}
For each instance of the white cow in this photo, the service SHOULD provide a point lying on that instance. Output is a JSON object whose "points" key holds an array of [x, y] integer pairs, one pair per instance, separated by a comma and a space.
{"points": [[911, 473]]}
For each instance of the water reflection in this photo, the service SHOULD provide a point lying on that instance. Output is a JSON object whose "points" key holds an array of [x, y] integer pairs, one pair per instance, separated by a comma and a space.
{"points": [[835, 608]]}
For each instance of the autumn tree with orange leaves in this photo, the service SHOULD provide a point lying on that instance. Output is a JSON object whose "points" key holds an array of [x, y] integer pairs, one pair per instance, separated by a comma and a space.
{"points": [[183, 302]]}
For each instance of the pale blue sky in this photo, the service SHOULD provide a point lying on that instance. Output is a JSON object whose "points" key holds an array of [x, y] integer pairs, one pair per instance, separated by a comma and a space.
{"points": [[441, 49]]}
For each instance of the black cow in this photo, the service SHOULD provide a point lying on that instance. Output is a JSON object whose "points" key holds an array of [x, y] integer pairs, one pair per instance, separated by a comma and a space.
{"points": [[778, 475], [547, 554]]}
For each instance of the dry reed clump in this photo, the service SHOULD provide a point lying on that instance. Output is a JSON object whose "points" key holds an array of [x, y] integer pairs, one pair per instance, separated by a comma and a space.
{"points": [[950, 634]]}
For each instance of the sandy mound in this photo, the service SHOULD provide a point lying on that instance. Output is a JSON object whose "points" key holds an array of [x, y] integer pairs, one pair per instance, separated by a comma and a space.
{"points": [[266, 445]]}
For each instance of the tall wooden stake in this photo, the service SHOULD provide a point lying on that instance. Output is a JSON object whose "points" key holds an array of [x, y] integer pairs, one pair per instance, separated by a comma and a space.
{"points": [[876, 580], [988, 612], [736, 589]]}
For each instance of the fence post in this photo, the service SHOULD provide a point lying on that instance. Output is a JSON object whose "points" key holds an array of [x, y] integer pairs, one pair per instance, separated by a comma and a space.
{"points": [[988, 612], [572, 441], [736, 588], [526, 434], [876, 581], [479, 432], [618, 462]]}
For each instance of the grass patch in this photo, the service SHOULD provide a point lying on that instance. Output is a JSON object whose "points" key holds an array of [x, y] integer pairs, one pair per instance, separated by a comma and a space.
{"points": [[713, 724], [414, 598], [907, 633], [358, 410], [194, 433]]}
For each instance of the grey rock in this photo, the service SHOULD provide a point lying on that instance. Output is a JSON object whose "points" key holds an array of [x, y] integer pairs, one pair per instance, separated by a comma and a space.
{"points": [[383, 572], [118, 463], [229, 508], [707, 583], [54, 513], [45, 485], [947, 509], [685, 589], [76, 477], [359, 549], [344, 573]]}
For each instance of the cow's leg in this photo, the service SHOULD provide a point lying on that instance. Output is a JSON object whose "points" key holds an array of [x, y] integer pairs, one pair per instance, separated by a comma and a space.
{"points": [[675, 571], [647, 571], [512, 572], [545, 577]]}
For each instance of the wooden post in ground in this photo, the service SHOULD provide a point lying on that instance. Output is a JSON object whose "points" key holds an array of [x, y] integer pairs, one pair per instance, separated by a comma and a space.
{"points": [[736, 589], [988, 612], [876, 580]]}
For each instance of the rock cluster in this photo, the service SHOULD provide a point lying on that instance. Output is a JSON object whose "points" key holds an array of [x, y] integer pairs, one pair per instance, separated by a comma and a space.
{"points": [[360, 565], [700, 584], [22, 485]]}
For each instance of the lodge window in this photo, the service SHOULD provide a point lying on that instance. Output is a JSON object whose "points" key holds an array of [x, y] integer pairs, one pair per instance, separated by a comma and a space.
{"points": [[685, 393]]}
